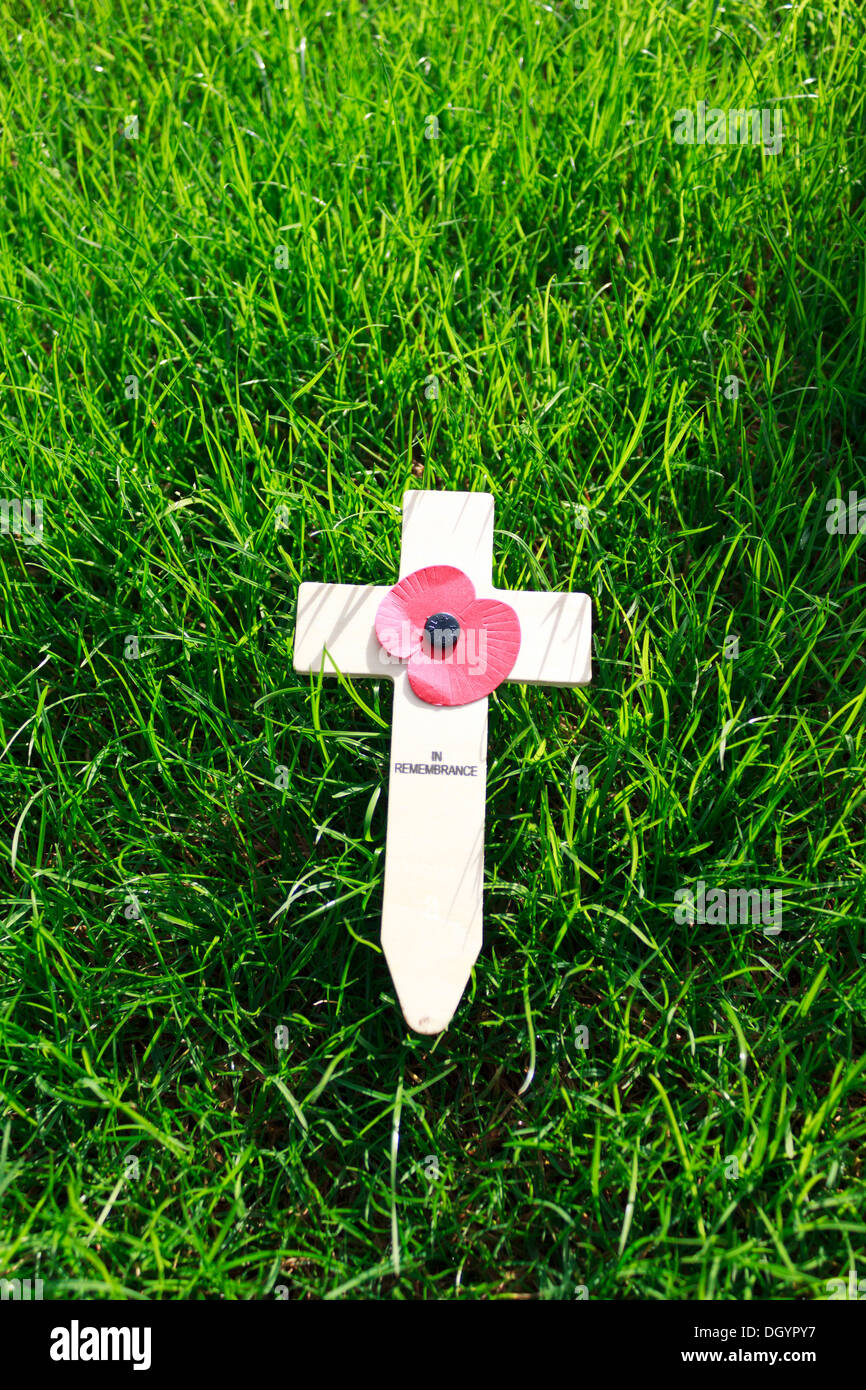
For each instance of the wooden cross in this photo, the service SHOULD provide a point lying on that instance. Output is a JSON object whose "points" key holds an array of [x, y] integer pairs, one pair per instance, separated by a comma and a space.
{"points": [[434, 856]]}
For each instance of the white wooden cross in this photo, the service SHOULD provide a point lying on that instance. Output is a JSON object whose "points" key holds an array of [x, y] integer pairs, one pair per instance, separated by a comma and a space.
{"points": [[434, 857]]}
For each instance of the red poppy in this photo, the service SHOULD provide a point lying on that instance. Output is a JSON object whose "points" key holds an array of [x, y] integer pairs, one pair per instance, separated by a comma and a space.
{"points": [[458, 647]]}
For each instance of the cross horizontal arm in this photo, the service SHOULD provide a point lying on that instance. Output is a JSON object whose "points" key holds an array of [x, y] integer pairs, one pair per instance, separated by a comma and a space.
{"points": [[337, 626], [555, 637], [342, 619]]}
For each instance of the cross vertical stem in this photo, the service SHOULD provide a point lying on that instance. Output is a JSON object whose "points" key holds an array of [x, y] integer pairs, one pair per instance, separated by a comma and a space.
{"points": [[434, 855]]}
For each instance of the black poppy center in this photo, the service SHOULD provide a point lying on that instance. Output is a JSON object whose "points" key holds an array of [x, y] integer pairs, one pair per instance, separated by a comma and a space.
{"points": [[441, 633]]}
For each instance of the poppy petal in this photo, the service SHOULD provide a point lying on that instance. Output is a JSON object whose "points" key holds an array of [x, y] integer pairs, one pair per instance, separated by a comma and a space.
{"points": [[483, 657], [405, 609]]}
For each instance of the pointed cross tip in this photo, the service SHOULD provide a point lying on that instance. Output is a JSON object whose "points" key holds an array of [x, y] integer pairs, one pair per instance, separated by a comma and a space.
{"points": [[427, 1024], [430, 990]]}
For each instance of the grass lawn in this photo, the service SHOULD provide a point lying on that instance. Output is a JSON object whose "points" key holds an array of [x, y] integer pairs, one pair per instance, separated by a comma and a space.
{"points": [[261, 271]]}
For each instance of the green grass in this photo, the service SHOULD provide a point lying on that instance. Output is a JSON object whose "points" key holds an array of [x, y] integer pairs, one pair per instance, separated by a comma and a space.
{"points": [[170, 898]]}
